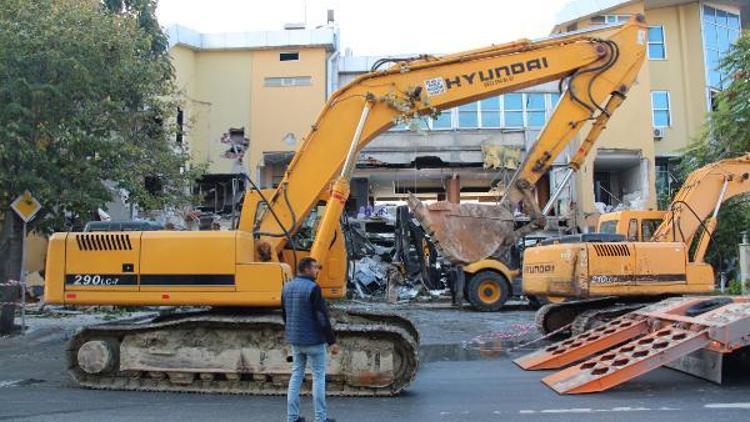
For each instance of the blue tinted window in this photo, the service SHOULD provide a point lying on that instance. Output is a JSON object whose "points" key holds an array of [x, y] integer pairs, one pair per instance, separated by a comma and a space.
{"points": [[661, 118], [535, 118], [710, 35], [660, 100], [721, 17], [714, 78], [723, 40], [467, 116], [733, 36], [535, 101], [660, 108], [535, 110], [719, 32], [656, 51], [709, 15], [490, 109], [656, 48], [554, 99], [443, 121], [513, 102], [655, 34], [733, 21], [513, 118]]}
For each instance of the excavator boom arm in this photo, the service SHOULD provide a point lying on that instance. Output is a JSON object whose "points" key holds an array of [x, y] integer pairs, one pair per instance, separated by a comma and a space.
{"points": [[597, 64], [698, 201]]}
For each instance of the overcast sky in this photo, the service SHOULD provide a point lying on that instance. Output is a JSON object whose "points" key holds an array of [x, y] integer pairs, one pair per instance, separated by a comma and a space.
{"points": [[371, 27]]}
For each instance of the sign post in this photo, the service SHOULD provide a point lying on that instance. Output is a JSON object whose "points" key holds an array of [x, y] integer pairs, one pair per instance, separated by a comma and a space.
{"points": [[26, 207]]}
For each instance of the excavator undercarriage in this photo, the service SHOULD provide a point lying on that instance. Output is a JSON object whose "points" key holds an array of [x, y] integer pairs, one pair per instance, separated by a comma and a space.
{"points": [[241, 353]]}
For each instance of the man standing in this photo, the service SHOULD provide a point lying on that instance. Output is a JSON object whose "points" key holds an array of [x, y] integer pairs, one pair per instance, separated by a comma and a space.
{"points": [[308, 329]]}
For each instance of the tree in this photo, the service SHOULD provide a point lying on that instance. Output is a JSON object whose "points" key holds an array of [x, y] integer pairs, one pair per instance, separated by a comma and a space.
{"points": [[86, 96], [726, 134]]}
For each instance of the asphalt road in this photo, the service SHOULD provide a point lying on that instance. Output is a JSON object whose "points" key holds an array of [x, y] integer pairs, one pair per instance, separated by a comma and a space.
{"points": [[34, 387]]}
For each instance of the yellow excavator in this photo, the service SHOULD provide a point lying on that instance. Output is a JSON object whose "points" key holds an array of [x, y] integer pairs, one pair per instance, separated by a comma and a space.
{"points": [[238, 346], [594, 280]]}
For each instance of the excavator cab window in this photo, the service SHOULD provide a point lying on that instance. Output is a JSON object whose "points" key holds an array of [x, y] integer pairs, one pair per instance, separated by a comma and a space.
{"points": [[633, 229], [648, 227], [305, 235], [608, 227]]}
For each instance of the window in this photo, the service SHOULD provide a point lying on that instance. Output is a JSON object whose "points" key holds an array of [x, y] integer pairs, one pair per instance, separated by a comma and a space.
{"points": [[535, 110], [289, 81], [490, 112], [513, 110], [609, 19], [633, 229], [467, 116], [648, 227], [554, 99], [657, 49], [289, 56], [443, 121], [419, 123], [608, 227], [180, 126], [660, 109], [720, 30], [713, 99]]}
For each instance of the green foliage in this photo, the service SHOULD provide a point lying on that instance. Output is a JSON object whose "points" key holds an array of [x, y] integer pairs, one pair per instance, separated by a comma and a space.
{"points": [[734, 288], [86, 96], [726, 134]]}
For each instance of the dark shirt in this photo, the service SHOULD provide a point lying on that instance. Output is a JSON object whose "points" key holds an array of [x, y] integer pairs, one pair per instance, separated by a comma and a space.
{"points": [[305, 313]]}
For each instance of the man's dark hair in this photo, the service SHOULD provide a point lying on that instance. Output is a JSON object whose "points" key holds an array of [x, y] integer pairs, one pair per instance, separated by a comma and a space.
{"points": [[305, 263]]}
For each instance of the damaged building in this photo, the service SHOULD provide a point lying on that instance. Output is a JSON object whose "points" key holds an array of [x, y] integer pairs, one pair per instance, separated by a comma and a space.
{"points": [[273, 84]]}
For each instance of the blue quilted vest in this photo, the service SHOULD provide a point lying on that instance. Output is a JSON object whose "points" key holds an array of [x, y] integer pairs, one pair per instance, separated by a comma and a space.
{"points": [[301, 327]]}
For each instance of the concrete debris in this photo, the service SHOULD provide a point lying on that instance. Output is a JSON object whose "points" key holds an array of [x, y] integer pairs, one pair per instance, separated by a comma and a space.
{"points": [[370, 274], [630, 201], [501, 157]]}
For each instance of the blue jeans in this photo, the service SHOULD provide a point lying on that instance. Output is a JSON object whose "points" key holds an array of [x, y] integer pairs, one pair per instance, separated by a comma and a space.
{"points": [[316, 355]]}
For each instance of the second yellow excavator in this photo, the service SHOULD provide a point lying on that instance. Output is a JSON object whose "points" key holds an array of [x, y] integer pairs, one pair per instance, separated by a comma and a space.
{"points": [[588, 276], [238, 346]]}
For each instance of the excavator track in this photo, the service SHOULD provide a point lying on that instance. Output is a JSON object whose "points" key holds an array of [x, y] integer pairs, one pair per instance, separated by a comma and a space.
{"points": [[593, 318], [584, 315], [241, 353], [554, 316]]}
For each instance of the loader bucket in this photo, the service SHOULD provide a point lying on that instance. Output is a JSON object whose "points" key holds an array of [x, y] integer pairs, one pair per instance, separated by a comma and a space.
{"points": [[465, 233]]}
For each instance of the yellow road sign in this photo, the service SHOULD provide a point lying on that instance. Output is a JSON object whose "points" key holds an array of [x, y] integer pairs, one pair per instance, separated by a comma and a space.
{"points": [[26, 206]]}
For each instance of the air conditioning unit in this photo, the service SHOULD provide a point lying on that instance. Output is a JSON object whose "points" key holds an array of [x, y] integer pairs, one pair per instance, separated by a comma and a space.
{"points": [[658, 132]]}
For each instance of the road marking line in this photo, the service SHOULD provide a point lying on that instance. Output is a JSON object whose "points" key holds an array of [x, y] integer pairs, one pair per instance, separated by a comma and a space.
{"points": [[9, 383], [574, 410], [727, 406], [612, 410]]}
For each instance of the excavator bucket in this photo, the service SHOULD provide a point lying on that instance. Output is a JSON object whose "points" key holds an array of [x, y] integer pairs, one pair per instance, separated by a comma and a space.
{"points": [[465, 233], [677, 333]]}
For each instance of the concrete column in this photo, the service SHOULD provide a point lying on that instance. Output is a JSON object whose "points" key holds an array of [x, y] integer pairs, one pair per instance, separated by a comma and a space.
{"points": [[745, 265], [453, 189]]}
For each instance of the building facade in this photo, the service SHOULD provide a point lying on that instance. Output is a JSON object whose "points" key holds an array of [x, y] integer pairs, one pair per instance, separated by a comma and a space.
{"points": [[247, 101], [250, 98], [686, 41]]}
